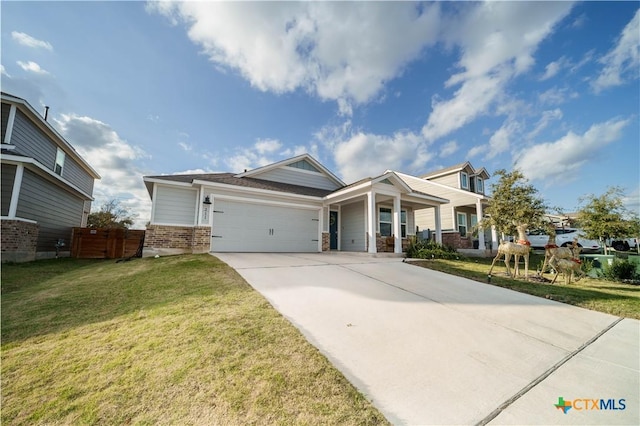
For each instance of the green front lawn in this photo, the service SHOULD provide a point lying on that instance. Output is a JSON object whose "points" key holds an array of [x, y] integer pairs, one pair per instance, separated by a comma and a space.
{"points": [[599, 295], [176, 340]]}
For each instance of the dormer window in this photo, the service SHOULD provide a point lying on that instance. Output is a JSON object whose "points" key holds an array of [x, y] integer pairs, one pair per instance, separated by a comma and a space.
{"points": [[464, 180], [479, 185], [59, 162]]}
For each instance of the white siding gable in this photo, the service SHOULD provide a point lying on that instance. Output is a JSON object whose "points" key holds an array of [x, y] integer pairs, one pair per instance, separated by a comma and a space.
{"points": [[174, 206], [296, 176]]}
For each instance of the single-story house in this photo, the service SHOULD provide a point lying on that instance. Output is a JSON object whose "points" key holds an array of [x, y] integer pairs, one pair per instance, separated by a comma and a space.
{"points": [[47, 187], [294, 205], [464, 187]]}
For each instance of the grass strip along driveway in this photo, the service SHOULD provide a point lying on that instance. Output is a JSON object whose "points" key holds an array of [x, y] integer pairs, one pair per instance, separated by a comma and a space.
{"points": [[181, 340], [610, 297]]}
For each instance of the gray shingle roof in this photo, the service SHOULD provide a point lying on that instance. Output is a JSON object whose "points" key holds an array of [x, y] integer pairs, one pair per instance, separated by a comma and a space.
{"points": [[247, 182]]}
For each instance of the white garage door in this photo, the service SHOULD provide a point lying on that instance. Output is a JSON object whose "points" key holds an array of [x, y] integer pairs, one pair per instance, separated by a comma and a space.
{"points": [[247, 227]]}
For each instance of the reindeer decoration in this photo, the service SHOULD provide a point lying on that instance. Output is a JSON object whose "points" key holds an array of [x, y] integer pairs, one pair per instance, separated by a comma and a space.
{"points": [[568, 267], [508, 249], [551, 250]]}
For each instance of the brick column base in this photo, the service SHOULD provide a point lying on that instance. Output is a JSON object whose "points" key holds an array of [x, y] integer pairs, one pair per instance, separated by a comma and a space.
{"points": [[19, 240]]}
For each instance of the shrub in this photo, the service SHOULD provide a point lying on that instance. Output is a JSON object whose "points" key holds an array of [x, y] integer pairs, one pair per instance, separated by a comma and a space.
{"points": [[427, 249], [620, 269]]}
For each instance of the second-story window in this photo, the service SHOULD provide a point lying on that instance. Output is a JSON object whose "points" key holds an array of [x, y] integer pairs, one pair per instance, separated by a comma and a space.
{"points": [[464, 180], [479, 185], [59, 162]]}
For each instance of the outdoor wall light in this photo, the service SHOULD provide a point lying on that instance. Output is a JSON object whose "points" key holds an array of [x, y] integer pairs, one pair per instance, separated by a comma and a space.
{"points": [[207, 200]]}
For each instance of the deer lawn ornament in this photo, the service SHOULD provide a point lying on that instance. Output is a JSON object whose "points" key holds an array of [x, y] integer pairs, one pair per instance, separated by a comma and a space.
{"points": [[568, 267], [508, 249], [552, 250]]}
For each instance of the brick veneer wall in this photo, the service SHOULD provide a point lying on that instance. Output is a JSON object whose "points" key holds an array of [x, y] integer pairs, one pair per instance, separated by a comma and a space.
{"points": [[326, 242], [178, 239], [19, 240], [381, 244], [453, 239]]}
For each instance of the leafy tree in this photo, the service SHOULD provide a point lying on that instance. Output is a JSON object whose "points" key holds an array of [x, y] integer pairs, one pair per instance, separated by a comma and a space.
{"points": [[111, 215], [513, 202], [604, 217]]}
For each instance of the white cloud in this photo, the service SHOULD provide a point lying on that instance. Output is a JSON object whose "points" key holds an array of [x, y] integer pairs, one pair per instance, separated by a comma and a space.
{"points": [[632, 200], [547, 117], [361, 154], [32, 67], [185, 146], [621, 62], [500, 141], [114, 159], [283, 47], [448, 148], [559, 161], [26, 40], [477, 150], [552, 68], [267, 146], [497, 41], [579, 21], [261, 153], [556, 96], [4, 71]]}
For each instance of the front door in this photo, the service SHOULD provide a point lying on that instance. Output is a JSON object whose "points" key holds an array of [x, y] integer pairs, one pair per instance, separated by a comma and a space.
{"points": [[333, 230]]}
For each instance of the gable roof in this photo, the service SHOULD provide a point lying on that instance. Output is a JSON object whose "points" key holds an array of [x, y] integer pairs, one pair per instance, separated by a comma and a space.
{"points": [[456, 168], [304, 157], [235, 180], [415, 182], [392, 176], [48, 129]]}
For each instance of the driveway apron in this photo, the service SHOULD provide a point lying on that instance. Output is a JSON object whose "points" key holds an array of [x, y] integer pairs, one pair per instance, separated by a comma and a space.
{"points": [[431, 348]]}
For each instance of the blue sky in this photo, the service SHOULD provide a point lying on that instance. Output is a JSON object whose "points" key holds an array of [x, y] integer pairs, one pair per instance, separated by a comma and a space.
{"points": [[550, 88]]}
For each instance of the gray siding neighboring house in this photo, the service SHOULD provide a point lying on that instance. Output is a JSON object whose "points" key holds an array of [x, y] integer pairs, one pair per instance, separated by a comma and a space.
{"points": [[465, 188], [47, 187]]}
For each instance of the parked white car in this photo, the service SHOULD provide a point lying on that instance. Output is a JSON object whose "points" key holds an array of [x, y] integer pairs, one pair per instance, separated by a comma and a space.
{"points": [[564, 237]]}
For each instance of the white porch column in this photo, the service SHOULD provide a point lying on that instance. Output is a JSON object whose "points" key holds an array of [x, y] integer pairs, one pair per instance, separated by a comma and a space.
{"points": [[480, 230], [371, 221], [397, 230], [494, 238], [438, 225]]}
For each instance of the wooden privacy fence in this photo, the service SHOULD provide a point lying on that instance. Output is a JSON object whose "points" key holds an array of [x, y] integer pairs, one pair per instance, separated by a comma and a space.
{"points": [[102, 243]]}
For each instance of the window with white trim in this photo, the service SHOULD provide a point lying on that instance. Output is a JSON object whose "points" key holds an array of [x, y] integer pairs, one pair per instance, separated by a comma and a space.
{"points": [[386, 222], [59, 162], [474, 220], [462, 224], [464, 180], [479, 185]]}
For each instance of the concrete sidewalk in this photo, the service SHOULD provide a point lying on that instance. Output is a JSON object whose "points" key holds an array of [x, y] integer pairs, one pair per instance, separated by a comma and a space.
{"points": [[431, 348]]}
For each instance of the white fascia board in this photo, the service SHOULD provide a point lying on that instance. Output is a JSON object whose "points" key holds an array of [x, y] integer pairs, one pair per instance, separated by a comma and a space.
{"points": [[440, 185], [44, 125], [164, 182], [167, 182], [433, 200], [393, 176], [15, 159], [352, 189], [244, 189], [21, 219]]}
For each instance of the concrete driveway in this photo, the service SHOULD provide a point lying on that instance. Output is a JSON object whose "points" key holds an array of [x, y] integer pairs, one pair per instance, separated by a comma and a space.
{"points": [[430, 348]]}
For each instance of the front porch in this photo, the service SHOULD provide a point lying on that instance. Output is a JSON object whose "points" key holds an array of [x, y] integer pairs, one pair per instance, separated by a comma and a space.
{"points": [[379, 210]]}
